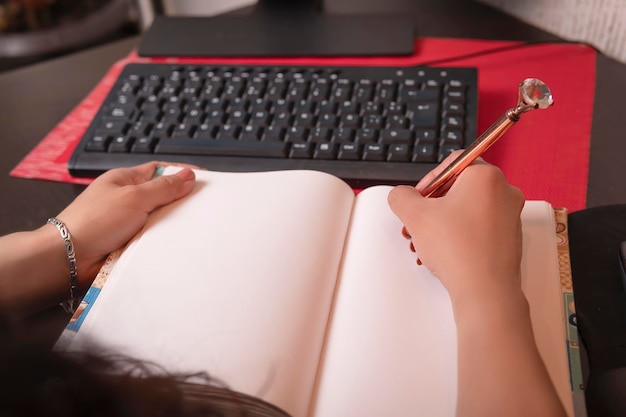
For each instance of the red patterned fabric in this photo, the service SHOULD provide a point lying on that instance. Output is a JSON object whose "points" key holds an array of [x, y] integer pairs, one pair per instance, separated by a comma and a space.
{"points": [[546, 154]]}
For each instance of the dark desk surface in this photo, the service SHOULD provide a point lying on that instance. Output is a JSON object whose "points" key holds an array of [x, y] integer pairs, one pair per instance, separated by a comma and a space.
{"points": [[34, 99]]}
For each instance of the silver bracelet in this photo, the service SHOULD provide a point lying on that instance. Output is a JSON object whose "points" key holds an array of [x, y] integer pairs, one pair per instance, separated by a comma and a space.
{"points": [[70, 304]]}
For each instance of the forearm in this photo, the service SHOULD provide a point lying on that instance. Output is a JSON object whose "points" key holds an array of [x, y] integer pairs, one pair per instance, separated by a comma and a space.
{"points": [[34, 273], [500, 370]]}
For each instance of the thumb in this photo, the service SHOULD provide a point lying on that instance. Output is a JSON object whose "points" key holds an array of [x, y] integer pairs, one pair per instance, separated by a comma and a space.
{"points": [[167, 188]]}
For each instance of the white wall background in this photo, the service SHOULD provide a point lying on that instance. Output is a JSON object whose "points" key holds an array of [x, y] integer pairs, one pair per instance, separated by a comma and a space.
{"points": [[601, 23]]}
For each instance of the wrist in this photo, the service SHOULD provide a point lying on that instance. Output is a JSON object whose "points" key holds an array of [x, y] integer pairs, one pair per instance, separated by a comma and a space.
{"points": [[35, 276], [491, 301]]}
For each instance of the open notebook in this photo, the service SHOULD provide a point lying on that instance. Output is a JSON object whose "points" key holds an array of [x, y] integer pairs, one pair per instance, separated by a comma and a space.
{"points": [[288, 287]]}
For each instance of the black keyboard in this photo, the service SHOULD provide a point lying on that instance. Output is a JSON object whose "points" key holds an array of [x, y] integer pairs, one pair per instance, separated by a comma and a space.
{"points": [[367, 125]]}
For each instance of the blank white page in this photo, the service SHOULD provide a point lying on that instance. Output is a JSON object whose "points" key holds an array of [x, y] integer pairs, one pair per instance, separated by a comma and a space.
{"points": [[392, 347]]}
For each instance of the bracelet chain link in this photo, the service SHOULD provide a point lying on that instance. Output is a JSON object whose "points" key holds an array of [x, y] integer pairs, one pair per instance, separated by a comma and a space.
{"points": [[70, 304]]}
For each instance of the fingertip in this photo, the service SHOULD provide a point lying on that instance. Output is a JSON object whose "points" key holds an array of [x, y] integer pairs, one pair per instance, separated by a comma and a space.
{"points": [[165, 189], [405, 202], [401, 192], [186, 174], [188, 178]]}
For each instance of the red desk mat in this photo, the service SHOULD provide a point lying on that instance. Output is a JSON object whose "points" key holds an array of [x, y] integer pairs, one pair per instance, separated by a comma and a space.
{"points": [[546, 154]]}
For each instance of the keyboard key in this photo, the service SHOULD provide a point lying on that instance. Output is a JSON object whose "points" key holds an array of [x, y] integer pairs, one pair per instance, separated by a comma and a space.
{"points": [[183, 130], [162, 129], [415, 95], [350, 151], [423, 114], [222, 147], [343, 135], [395, 136], [397, 121], [320, 134], [366, 136], [325, 150], [374, 152], [144, 144], [372, 108], [453, 108], [260, 118], [296, 133], [373, 121], [350, 120], [455, 94], [424, 152], [398, 153], [113, 127], [274, 133], [453, 122], [99, 143], [120, 144], [328, 106], [121, 111], [250, 132], [327, 120], [228, 132], [452, 136], [283, 119], [139, 128], [205, 131], [238, 117], [429, 135], [304, 119], [301, 150]]}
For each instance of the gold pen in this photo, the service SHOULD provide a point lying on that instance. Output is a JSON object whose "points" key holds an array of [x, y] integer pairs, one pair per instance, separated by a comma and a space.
{"points": [[532, 94]]}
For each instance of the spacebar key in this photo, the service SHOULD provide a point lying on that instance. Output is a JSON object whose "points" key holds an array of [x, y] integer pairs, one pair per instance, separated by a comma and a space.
{"points": [[222, 147]]}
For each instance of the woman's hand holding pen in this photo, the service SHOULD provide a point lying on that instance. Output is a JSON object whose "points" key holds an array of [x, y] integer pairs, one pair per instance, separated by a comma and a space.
{"points": [[471, 239], [471, 235]]}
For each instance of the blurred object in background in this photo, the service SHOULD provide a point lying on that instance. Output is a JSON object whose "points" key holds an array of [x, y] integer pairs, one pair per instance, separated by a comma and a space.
{"points": [[33, 30]]}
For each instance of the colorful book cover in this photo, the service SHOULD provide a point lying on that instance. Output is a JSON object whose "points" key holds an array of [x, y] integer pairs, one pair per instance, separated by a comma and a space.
{"points": [[569, 313]]}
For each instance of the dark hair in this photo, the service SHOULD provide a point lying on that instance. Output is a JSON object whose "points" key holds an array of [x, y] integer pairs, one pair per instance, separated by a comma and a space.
{"points": [[38, 381]]}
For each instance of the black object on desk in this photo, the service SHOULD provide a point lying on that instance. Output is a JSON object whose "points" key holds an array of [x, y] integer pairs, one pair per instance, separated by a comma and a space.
{"points": [[280, 28], [366, 125], [595, 236]]}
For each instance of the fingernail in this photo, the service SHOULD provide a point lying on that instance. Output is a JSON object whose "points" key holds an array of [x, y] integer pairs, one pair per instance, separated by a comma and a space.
{"points": [[412, 247], [186, 174], [405, 233], [418, 261]]}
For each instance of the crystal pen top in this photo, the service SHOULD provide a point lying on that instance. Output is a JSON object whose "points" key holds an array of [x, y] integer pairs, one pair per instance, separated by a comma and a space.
{"points": [[532, 94], [535, 92]]}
